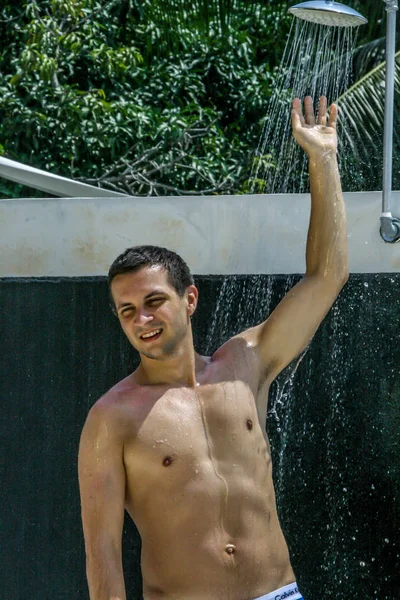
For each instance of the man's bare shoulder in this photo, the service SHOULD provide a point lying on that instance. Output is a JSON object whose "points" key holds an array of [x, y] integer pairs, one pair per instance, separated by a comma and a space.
{"points": [[237, 354], [121, 391], [111, 408], [236, 346]]}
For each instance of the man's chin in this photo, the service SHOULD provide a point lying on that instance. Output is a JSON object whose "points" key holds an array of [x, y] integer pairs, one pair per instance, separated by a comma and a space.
{"points": [[152, 355], [163, 353], [156, 353]]}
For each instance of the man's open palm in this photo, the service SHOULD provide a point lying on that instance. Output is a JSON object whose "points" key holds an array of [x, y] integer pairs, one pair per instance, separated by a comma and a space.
{"points": [[315, 137]]}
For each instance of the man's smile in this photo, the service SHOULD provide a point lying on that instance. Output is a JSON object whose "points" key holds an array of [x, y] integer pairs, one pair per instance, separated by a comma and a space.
{"points": [[151, 336]]}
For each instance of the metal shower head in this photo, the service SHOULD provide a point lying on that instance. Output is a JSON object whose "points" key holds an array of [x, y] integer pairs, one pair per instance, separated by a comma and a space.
{"points": [[328, 12]]}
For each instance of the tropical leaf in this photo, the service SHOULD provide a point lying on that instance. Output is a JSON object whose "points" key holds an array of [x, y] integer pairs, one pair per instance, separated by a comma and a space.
{"points": [[363, 112], [368, 56]]}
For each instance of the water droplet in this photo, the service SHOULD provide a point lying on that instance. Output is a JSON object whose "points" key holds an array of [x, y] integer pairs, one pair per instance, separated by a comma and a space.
{"points": [[362, 563]]}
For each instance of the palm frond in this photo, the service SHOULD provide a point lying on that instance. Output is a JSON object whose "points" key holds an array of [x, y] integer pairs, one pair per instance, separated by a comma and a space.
{"points": [[362, 110], [368, 56]]}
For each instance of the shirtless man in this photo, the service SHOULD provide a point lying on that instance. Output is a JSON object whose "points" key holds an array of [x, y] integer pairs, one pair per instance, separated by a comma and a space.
{"points": [[181, 442]]}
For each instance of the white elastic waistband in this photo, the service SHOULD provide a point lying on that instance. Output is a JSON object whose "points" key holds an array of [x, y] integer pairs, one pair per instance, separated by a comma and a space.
{"points": [[289, 592]]}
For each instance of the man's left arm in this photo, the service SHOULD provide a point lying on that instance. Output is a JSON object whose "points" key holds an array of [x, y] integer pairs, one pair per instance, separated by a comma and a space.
{"points": [[292, 325]]}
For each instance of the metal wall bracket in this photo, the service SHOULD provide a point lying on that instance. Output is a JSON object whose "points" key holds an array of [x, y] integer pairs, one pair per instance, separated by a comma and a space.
{"points": [[390, 228], [392, 4]]}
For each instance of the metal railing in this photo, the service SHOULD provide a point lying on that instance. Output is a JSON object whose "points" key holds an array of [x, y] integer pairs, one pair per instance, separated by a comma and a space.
{"points": [[52, 184]]}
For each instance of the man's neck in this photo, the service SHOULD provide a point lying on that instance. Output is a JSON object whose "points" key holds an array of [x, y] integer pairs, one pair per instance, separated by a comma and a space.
{"points": [[181, 369]]}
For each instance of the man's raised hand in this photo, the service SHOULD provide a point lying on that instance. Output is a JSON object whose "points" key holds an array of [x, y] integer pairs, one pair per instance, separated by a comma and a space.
{"points": [[316, 138]]}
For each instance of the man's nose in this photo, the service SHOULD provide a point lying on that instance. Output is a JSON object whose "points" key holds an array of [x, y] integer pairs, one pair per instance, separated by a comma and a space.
{"points": [[143, 317]]}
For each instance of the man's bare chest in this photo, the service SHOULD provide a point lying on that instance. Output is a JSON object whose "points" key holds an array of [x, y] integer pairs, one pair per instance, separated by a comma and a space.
{"points": [[187, 432]]}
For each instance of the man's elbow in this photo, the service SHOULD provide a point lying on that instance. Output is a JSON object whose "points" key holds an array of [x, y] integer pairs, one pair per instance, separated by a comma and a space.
{"points": [[344, 275], [334, 279], [339, 280]]}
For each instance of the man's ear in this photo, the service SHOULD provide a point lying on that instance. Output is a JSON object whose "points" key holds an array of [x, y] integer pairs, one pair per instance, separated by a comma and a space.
{"points": [[192, 296]]}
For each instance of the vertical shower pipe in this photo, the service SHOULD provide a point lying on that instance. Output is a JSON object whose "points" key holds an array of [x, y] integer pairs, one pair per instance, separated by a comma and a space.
{"points": [[390, 226]]}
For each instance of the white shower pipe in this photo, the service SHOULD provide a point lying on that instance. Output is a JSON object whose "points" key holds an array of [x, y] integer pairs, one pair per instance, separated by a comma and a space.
{"points": [[390, 226], [52, 184]]}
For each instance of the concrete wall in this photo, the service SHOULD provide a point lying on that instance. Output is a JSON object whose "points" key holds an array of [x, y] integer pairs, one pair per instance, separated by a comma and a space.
{"points": [[216, 235]]}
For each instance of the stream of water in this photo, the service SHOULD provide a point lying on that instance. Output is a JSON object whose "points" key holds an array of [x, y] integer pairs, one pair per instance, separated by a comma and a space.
{"points": [[317, 61]]}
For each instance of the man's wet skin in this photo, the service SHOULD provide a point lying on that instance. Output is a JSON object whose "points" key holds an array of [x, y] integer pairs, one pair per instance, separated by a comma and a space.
{"points": [[181, 442], [199, 477], [199, 488]]}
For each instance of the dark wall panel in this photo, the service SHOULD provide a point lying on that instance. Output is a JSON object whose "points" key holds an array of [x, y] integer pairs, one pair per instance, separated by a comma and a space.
{"points": [[334, 423]]}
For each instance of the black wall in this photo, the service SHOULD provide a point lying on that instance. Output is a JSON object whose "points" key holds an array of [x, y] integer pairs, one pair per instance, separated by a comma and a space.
{"points": [[334, 427]]}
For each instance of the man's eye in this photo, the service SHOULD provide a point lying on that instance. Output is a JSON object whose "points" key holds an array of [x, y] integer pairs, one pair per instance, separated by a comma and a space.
{"points": [[155, 301], [127, 312]]}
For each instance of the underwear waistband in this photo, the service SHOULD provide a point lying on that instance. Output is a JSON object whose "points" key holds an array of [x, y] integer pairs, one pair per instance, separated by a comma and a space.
{"points": [[288, 592]]}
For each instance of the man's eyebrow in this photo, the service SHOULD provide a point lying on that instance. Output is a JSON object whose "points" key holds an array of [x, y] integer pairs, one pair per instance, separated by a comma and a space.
{"points": [[149, 295], [155, 293], [123, 305]]}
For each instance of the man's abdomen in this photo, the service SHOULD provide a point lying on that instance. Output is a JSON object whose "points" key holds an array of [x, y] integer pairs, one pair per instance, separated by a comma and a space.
{"points": [[203, 545]]}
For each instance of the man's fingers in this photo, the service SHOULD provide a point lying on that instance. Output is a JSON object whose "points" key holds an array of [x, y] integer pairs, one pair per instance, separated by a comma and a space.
{"points": [[297, 109], [300, 120], [309, 110], [296, 122], [322, 111], [333, 116]]}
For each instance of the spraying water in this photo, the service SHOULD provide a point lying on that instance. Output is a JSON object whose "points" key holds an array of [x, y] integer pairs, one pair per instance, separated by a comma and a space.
{"points": [[316, 62]]}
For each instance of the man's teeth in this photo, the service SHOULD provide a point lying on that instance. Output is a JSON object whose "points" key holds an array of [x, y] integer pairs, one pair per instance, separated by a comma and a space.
{"points": [[148, 335]]}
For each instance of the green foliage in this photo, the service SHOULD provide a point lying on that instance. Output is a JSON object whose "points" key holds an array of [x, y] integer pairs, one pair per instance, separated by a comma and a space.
{"points": [[174, 25], [148, 96], [82, 95]]}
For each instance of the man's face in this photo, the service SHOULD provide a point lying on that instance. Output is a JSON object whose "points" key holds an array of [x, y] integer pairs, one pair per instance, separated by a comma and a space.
{"points": [[153, 316]]}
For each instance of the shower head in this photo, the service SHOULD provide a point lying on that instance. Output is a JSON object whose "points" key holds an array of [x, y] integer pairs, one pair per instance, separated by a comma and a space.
{"points": [[328, 12]]}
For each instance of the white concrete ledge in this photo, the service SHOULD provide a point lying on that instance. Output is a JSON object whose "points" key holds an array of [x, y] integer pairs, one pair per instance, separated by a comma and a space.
{"points": [[214, 234]]}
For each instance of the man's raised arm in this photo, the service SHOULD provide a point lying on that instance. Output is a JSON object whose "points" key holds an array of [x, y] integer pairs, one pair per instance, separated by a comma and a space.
{"points": [[102, 488], [294, 322]]}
